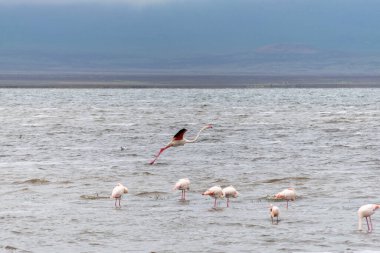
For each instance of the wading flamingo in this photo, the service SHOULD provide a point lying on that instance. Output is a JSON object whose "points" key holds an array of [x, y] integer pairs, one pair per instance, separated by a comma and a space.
{"points": [[179, 140], [230, 192], [287, 194], [183, 184], [365, 212], [274, 212], [118, 192], [214, 192]]}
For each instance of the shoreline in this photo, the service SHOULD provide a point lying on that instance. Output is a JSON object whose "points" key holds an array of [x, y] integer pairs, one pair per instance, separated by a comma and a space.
{"points": [[137, 81]]}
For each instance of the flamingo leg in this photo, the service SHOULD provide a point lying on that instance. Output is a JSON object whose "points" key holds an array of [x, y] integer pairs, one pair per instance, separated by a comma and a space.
{"points": [[370, 222], [366, 219], [119, 202], [159, 153], [277, 219], [271, 219], [215, 203], [287, 204], [115, 202], [228, 202], [184, 194]]}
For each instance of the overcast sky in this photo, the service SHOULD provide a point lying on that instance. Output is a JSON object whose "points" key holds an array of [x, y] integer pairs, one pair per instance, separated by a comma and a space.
{"points": [[183, 28]]}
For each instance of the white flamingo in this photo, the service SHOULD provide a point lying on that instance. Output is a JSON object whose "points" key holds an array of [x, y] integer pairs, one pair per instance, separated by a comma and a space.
{"points": [[118, 192], [365, 212], [287, 194], [184, 185], [274, 212], [179, 140], [230, 192], [214, 192]]}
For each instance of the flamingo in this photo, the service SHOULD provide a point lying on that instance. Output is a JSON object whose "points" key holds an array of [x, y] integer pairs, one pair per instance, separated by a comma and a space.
{"points": [[214, 192], [287, 194], [274, 212], [230, 192], [365, 212], [183, 184], [179, 140], [118, 192]]}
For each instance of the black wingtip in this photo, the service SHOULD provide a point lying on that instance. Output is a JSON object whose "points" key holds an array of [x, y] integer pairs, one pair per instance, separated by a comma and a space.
{"points": [[180, 133]]}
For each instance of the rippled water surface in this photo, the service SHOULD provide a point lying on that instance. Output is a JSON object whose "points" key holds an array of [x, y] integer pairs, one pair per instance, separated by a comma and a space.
{"points": [[60, 159]]}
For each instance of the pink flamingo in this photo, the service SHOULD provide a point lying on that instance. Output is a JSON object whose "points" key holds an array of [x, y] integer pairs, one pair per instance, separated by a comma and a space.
{"points": [[214, 192], [183, 184], [287, 194], [365, 212], [118, 192], [179, 140], [274, 212], [230, 192]]}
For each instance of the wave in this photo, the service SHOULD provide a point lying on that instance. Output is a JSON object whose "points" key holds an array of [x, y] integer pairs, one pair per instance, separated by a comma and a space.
{"points": [[34, 181], [155, 195], [275, 180], [93, 197]]}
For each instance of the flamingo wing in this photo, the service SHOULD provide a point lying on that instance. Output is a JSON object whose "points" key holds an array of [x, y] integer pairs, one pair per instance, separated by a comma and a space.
{"points": [[117, 191], [179, 136]]}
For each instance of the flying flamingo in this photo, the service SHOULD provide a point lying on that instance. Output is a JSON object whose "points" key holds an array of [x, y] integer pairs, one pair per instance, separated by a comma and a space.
{"points": [[179, 140], [230, 192], [183, 184], [287, 194], [274, 212], [214, 192], [365, 212], [118, 192]]}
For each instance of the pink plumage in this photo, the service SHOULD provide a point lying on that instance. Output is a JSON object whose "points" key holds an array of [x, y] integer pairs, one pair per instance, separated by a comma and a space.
{"points": [[179, 140], [182, 184], [230, 192], [287, 194], [214, 192], [274, 213], [365, 212], [118, 192]]}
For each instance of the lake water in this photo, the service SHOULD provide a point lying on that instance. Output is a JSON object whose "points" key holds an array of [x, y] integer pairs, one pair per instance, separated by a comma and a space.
{"points": [[60, 158]]}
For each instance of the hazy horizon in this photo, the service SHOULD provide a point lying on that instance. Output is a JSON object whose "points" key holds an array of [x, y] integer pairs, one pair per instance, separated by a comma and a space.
{"points": [[259, 37]]}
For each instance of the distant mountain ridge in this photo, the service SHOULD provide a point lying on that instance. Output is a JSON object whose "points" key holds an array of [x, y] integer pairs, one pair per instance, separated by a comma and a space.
{"points": [[286, 49]]}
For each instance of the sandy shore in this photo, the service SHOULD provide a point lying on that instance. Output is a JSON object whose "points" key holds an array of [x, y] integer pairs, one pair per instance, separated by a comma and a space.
{"points": [[106, 80]]}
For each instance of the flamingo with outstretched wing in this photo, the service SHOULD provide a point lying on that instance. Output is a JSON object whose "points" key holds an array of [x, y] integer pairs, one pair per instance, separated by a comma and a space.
{"points": [[179, 140]]}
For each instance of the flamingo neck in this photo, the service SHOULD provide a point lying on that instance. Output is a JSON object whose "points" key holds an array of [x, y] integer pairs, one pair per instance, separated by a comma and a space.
{"points": [[196, 137]]}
